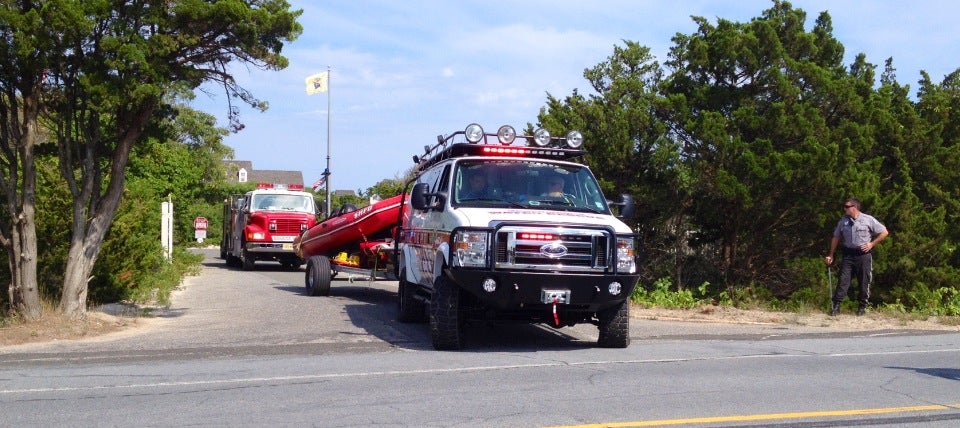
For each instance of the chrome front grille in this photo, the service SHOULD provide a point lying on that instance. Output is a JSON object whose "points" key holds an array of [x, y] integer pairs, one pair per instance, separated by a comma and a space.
{"points": [[288, 226], [553, 249]]}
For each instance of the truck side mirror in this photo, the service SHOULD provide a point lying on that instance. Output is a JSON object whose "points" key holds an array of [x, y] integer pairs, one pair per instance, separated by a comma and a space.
{"points": [[626, 206], [418, 196]]}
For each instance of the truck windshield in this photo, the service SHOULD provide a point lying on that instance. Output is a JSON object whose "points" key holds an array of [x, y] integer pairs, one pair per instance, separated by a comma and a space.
{"points": [[281, 202], [528, 184]]}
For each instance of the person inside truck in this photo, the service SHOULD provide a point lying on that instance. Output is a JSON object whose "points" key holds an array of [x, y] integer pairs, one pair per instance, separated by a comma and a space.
{"points": [[554, 187], [475, 187]]}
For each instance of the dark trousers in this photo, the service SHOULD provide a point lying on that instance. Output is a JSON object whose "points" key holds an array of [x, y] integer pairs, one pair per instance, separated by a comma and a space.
{"points": [[861, 266]]}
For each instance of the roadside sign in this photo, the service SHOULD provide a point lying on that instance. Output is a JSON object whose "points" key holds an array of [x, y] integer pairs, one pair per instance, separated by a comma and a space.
{"points": [[200, 223]]}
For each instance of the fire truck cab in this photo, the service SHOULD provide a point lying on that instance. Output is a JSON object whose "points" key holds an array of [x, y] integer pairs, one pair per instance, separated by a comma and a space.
{"points": [[262, 224]]}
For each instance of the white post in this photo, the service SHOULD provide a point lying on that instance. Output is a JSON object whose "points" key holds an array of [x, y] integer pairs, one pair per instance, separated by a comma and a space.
{"points": [[326, 173], [166, 229]]}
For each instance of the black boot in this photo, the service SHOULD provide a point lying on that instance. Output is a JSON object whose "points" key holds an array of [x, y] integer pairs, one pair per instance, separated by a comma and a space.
{"points": [[835, 310], [861, 310]]}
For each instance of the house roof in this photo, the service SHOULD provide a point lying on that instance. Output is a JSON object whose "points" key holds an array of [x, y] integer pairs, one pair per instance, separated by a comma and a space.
{"points": [[261, 175]]}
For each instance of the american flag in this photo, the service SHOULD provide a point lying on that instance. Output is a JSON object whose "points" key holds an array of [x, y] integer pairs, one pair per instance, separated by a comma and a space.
{"points": [[319, 183]]}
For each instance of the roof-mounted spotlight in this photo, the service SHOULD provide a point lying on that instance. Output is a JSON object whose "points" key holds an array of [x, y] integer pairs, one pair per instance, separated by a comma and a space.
{"points": [[574, 139], [541, 137], [473, 133], [506, 134]]}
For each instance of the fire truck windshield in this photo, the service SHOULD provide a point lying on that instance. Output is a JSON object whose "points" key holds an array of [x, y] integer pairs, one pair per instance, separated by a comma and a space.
{"points": [[282, 202], [530, 184]]}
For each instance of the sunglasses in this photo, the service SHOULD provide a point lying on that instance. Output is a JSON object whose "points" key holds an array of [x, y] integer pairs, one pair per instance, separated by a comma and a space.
{"points": [[849, 206]]}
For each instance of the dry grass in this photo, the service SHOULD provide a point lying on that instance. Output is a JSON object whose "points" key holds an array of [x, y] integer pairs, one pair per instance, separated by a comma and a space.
{"points": [[53, 326]]}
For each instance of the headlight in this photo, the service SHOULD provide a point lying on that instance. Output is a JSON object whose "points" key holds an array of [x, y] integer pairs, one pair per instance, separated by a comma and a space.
{"points": [[256, 236], [473, 133], [541, 137], [506, 134], [574, 139], [470, 249], [626, 263]]}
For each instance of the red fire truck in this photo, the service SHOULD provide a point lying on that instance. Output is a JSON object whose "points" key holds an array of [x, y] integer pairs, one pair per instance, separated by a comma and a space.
{"points": [[263, 223]]}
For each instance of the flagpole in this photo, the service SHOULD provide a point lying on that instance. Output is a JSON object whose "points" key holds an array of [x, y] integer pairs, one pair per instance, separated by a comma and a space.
{"points": [[326, 173]]}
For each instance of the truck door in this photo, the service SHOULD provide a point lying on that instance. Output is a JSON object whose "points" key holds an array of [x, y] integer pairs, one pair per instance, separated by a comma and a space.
{"points": [[423, 233]]}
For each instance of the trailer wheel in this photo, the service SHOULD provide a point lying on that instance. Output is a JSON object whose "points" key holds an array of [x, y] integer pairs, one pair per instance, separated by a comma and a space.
{"points": [[615, 326], [409, 309], [317, 278], [446, 323]]}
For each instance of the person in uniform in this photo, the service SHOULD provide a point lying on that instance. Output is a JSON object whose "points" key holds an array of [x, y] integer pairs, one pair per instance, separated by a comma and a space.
{"points": [[859, 234]]}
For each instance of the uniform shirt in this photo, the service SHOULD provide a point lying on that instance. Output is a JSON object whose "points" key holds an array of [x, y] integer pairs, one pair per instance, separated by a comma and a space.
{"points": [[857, 232]]}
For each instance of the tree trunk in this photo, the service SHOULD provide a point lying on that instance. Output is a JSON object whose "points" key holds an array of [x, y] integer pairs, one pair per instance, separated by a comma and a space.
{"points": [[93, 213], [24, 291], [20, 192]]}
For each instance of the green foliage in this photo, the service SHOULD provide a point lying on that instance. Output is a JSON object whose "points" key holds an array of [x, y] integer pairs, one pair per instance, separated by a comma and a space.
{"points": [[386, 188], [99, 76], [661, 296], [741, 147], [942, 301]]}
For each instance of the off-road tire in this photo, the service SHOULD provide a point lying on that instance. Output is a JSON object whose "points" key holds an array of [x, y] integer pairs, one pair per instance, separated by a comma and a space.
{"points": [[409, 309], [446, 325], [614, 326], [317, 277]]}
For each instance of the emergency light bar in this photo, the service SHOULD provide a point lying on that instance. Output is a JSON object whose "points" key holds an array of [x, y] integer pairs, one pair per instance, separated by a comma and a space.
{"points": [[476, 145], [506, 135], [278, 186]]}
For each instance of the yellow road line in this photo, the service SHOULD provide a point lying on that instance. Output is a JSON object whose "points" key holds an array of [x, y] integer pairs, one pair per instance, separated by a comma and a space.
{"points": [[769, 416]]}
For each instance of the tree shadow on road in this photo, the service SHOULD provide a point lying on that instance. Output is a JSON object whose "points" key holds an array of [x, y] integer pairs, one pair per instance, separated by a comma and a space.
{"points": [[945, 373]]}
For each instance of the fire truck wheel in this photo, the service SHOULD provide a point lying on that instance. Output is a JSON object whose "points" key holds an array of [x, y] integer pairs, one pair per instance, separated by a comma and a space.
{"points": [[317, 278], [615, 326], [409, 309], [247, 260], [446, 323]]}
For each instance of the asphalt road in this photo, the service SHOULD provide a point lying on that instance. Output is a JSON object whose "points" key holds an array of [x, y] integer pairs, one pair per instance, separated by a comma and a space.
{"points": [[252, 349]]}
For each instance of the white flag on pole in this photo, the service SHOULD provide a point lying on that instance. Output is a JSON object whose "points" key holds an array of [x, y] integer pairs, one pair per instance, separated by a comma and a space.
{"points": [[317, 83]]}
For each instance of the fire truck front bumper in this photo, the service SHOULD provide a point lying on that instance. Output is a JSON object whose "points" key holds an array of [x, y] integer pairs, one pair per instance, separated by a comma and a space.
{"points": [[270, 247]]}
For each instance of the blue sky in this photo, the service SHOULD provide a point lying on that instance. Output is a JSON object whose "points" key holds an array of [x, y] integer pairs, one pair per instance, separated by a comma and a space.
{"points": [[404, 72]]}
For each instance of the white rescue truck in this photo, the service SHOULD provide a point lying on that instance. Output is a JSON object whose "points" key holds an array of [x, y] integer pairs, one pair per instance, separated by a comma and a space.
{"points": [[501, 230]]}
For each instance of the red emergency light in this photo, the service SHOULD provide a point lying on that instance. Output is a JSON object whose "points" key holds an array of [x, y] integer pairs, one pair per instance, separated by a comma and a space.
{"points": [[263, 186], [532, 236]]}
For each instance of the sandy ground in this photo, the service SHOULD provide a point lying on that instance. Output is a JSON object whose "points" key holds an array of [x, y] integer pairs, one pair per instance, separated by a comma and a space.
{"points": [[844, 321]]}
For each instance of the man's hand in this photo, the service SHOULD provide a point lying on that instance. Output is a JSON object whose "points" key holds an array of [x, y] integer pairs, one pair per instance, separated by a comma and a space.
{"points": [[828, 260]]}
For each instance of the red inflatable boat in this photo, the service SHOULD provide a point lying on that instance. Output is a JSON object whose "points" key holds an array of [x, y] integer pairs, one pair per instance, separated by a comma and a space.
{"points": [[350, 232]]}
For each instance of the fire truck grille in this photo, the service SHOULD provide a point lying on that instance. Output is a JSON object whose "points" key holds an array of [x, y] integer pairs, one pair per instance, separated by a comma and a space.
{"points": [[583, 250], [288, 226]]}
